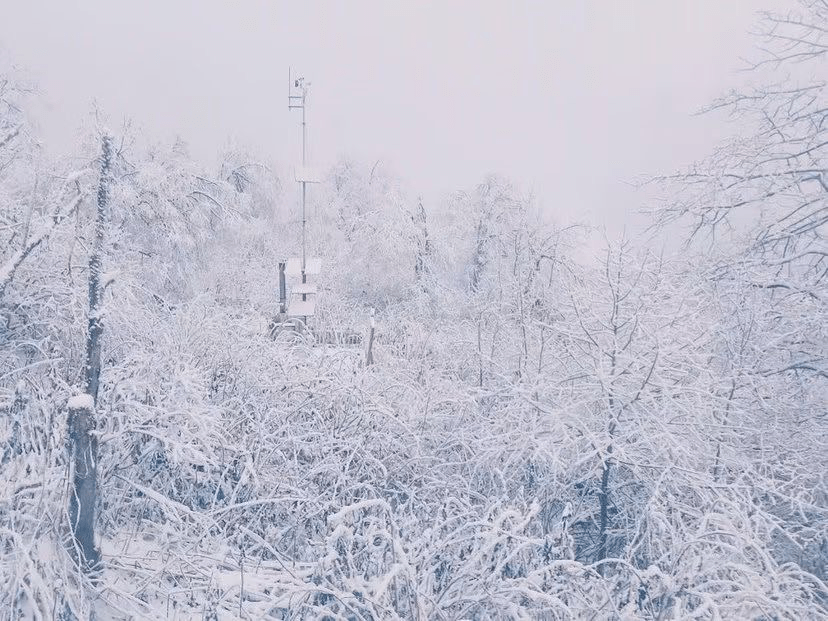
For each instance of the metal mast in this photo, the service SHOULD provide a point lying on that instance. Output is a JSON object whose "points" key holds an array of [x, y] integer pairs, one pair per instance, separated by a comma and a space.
{"points": [[297, 101]]}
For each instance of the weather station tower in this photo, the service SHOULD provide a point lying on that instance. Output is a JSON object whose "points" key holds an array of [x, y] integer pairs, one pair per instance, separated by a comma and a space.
{"points": [[303, 294]]}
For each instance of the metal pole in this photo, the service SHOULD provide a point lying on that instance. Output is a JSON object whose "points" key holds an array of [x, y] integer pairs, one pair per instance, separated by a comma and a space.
{"points": [[299, 83], [304, 188]]}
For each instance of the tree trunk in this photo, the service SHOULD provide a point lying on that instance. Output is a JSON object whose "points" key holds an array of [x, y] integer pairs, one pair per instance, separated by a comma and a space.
{"points": [[479, 260], [84, 482], [421, 263], [606, 468], [603, 499], [82, 436], [93, 341]]}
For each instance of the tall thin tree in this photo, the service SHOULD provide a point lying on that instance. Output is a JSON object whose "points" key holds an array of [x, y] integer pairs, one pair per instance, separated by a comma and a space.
{"points": [[82, 410]]}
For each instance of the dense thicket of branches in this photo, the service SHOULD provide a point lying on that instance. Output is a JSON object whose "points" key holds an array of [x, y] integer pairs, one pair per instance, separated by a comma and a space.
{"points": [[637, 438]]}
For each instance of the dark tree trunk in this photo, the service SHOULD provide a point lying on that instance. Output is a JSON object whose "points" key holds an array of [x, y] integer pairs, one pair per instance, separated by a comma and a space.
{"points": [[83, 496], [93, 341], [84, 492], [603, 499], [606, 470]]}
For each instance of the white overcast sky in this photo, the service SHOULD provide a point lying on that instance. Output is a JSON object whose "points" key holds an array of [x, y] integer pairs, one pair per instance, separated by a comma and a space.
{"points": [[570, 99]]}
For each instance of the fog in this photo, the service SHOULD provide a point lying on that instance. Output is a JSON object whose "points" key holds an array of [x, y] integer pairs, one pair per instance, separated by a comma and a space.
{"points": [[572, 101], [459, 408]]}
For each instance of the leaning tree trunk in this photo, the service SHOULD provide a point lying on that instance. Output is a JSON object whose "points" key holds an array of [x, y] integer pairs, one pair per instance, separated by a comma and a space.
{"points": [[82, 436]]}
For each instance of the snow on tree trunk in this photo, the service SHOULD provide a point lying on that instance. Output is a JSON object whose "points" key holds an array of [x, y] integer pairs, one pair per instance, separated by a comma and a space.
{"points": [[82, 409], [423, 257], [84, 482], [93, 341]]}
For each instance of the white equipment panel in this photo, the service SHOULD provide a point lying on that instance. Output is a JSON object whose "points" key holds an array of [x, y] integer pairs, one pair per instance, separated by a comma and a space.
{"points": [[302, 308], [303, 288], [307, 174], [294, 266]]}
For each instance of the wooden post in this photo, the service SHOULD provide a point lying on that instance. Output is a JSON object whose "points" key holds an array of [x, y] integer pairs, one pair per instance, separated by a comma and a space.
{"points": [[282, 291], [480, 351], [369, 352]]}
